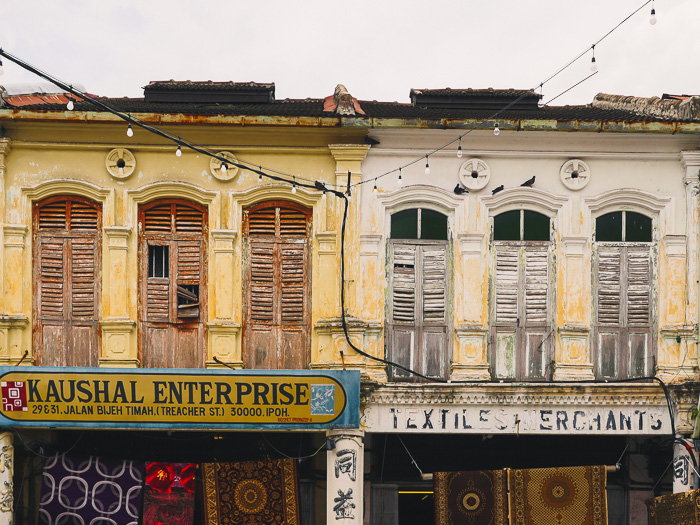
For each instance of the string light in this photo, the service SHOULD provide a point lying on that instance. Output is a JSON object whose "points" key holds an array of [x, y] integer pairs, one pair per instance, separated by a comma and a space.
{"points": [[459, 149], [294, 185], [594, 66], [129, 131], [374, 190], [652, 20], [70, 104], [178, 151], [400, 181], [224, 167], [496, 130], [259, 178], [427, 166]]}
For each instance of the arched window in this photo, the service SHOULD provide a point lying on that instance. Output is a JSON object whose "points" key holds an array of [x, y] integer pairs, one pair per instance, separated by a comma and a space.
{"points": [[67, 233], [172, 258], [278, 286], [417, 323], [622, 336], [521, 342]]}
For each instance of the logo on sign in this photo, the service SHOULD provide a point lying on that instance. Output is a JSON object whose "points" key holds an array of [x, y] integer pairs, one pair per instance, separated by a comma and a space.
{"points": [[322, 400], [14, 396]]}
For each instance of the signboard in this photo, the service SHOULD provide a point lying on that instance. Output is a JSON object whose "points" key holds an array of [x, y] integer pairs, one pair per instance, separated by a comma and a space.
{"points": [[179, 398], [567, 419]]}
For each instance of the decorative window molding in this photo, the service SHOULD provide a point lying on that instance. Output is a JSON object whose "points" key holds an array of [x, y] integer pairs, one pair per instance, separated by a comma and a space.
{"points": [[66, 187], [626, 199], [171, 190], [277, 191], [524, 198], [420, 196]]}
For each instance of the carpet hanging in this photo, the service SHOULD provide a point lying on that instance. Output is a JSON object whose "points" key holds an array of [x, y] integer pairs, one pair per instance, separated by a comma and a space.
{"points": [[251, 493], [168, 494], [471, 498], [90, 490], [558, 496], [675, 509]]}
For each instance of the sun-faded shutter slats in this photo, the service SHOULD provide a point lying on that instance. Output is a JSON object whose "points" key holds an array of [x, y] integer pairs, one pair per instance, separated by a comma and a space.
{"points": [[158, 219], [434, 282], [507, 262], [84, 277], [261, 284], [609, 271], [189, 261], [53, 215], [262, 222], [404, 284], [536, 284], [158, 299], [188, 219], [83, 216], [638, 286], [292, 223], [293, 277], [51, 287]]}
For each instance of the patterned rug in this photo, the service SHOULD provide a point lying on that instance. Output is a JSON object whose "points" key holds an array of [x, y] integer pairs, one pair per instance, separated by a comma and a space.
{"points": [[471, 498], [251, 493], [558, 496], [675, 509], [168, 496], [81, 491]]}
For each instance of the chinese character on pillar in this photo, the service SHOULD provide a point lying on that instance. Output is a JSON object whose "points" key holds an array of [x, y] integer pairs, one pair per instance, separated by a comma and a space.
{"points": [[343, 505]]}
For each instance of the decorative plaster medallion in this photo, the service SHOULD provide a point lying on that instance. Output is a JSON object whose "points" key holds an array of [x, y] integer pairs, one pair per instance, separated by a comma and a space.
{"points": [[120, 163], [231, 170], [575, 174], [474, 174]]}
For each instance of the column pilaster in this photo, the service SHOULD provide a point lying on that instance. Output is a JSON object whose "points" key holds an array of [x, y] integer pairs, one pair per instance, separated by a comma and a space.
{"points": [[7, 470], [345, 477]]}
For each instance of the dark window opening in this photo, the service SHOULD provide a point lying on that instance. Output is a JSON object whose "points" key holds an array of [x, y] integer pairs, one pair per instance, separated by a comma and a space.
{"points": [[433, 225], [404, 224], [418, 223], [623, 226], [188, 300], [158, 261], [536, 226], [521, 225]]}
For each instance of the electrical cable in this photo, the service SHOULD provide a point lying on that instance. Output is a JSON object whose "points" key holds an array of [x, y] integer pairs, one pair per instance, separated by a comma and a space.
{"points": [[409, 454], [300, 457]]}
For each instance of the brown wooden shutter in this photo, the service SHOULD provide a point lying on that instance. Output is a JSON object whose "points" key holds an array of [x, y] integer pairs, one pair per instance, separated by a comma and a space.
{"points": [[174, 298], [277, 289], [639, 310], [610, 296], [67, 282], [433, 336], [534, 355]]}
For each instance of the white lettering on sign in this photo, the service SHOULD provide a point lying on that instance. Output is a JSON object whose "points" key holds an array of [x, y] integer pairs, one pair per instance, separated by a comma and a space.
{"points": [[471, 419]]}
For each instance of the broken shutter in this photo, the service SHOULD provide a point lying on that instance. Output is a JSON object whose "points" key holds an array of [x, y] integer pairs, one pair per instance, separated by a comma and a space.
{"points": [[277, 288], [173, 248], [520, 333], [623, 309], [67, 282], [418, 337]]}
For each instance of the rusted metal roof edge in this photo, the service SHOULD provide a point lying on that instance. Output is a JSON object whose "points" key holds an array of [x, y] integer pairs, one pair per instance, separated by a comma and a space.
{"points": [[666, 127]]}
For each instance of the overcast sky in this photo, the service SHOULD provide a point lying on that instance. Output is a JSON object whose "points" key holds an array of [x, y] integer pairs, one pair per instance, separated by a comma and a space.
{"points": [[379, 49]]}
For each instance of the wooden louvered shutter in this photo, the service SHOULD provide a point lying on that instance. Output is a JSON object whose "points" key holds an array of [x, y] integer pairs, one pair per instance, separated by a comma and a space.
{"points": [[639, 310], [433, 336], [67, 282], [533, 347], [173, 250], [608, 330], [402, 329], [506, 310], [277, 288], [623, 328]]}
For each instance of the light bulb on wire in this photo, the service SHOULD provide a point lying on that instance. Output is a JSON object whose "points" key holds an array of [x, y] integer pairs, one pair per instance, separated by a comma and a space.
{"points": [[427, 166], [294, 186], [400, 181], [594, 66], [129, 131], [178, 151], [496, 130], [224, 167], [459, 149], [70, 104], [259, 178], [374, 190], [652, 20]]}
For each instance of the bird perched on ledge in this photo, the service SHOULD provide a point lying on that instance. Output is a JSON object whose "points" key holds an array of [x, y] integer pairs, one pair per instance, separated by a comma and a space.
{"points": [[459, 190], [529, 182], [497, 189]]}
